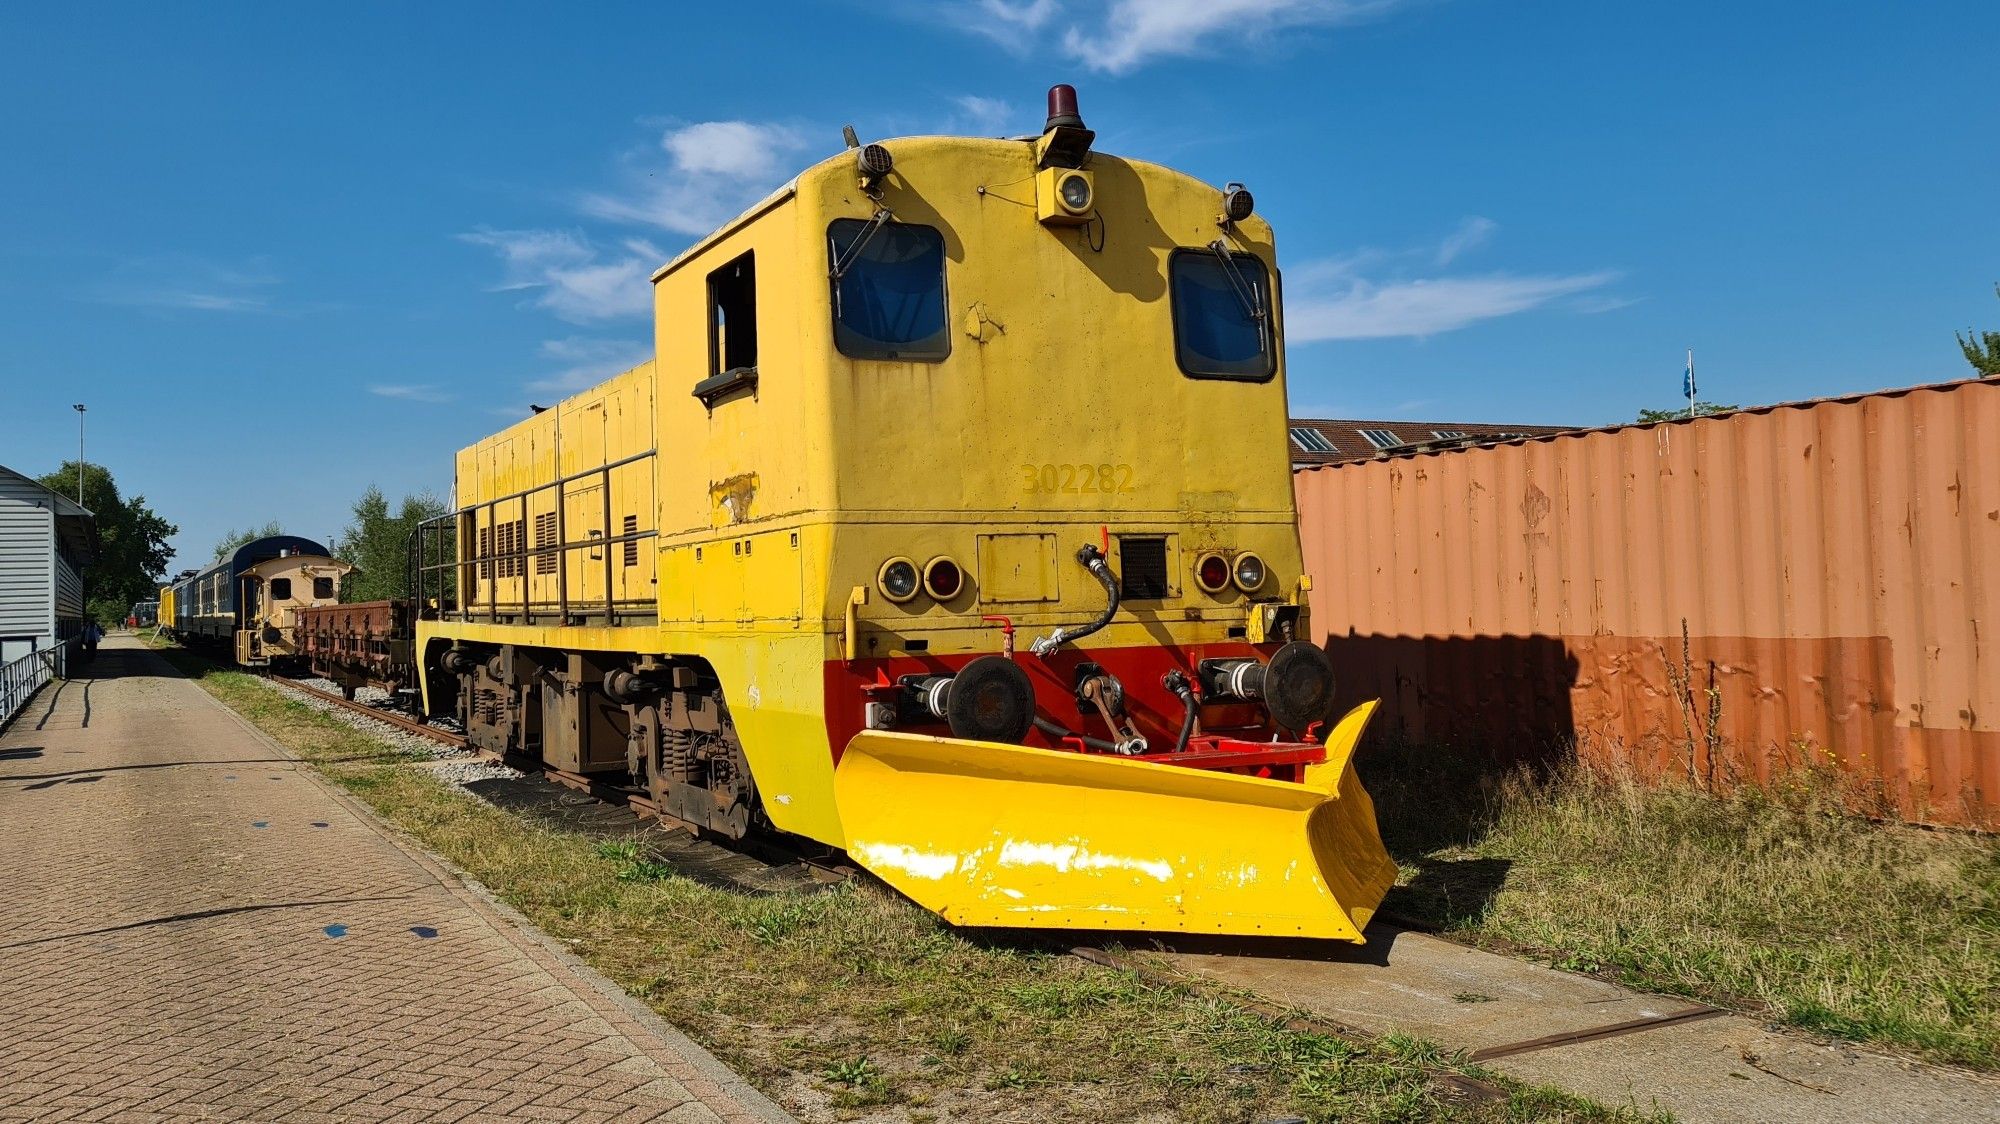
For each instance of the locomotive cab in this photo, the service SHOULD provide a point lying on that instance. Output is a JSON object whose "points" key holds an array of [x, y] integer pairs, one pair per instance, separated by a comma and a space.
{"points": [[271, 594]]}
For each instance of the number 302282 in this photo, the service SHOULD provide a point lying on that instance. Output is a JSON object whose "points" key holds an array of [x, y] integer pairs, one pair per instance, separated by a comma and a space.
{"points": [[1075, 479]]}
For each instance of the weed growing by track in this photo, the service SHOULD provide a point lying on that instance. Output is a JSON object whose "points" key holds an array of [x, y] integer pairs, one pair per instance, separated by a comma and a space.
{"points": [[1772, 900], [848, 1003]]}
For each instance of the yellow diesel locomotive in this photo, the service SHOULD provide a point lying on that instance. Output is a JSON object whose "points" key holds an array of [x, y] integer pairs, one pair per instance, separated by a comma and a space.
{"points": [[950, 526]]}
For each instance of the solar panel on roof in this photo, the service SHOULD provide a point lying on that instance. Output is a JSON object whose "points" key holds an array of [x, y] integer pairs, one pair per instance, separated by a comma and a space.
{"points": [[1311, 440]]}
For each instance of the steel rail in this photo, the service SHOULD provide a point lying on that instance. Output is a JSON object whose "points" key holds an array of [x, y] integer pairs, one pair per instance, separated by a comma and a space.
{"points": [[643, 806], [407, 725]]}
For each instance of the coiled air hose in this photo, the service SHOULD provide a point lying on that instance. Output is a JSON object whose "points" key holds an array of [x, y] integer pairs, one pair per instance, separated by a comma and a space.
{"points": [[1093, 560]]}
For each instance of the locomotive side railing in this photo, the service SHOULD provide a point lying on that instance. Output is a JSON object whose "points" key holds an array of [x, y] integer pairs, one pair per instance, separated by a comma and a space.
{"points": [[444, 577]]}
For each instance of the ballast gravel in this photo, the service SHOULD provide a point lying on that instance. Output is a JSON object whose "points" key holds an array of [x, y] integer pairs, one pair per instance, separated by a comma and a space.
{"points": [[455, 766]]}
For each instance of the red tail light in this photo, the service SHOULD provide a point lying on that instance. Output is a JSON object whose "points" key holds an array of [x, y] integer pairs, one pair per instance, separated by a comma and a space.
{"points": [[942, 579], [1213, 573]]}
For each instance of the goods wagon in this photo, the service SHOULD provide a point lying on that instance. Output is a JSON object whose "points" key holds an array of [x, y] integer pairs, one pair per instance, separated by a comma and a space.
{"points": [[245, 603], [950, 525], [360, 644]]}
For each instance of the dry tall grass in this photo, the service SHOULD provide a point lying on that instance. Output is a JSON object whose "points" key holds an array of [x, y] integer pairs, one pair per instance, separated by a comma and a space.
{"points": [[1773, 899]]}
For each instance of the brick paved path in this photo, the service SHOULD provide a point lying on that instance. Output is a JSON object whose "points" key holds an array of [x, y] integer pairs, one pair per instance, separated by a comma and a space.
{"points": [[193, 927]]}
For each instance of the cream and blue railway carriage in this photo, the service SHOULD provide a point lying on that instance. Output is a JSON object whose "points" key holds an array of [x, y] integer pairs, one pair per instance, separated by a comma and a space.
{"points": [[245, 602]]}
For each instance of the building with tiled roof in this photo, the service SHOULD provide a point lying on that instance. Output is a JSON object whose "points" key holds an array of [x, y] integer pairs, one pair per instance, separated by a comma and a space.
{"points": [[1316, 441]]}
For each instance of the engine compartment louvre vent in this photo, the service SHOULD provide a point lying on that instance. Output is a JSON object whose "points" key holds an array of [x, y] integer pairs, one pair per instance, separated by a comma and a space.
{"points": [[1143, 569]]}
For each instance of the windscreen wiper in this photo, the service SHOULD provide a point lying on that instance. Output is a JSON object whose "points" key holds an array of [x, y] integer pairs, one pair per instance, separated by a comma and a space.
{"points": [[1252, 300], [847, 257]]}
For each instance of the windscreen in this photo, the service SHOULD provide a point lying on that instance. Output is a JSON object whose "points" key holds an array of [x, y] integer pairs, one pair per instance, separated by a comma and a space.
{"points": [[888, 290], [1222, 316]]}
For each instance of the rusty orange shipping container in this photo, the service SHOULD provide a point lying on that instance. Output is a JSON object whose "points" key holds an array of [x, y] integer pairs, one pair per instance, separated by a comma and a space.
{"points": [[1832, 565]]}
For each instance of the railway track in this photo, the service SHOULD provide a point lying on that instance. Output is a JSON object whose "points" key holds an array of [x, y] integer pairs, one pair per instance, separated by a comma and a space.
{"points": [[825, 866], [401, 722]]}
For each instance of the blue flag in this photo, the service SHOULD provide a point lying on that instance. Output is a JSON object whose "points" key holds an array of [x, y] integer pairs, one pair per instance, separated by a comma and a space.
{"points": [[1687, 383]]}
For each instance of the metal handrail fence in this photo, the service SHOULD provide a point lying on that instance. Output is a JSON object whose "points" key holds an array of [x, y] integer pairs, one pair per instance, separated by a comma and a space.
{"points": [[21, 678]]}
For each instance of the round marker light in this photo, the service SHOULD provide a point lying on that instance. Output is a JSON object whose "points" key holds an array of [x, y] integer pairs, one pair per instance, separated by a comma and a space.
{"points": [[943, 579], [1075, 192], [898, 579], [1212, 573], [1249, 572]]}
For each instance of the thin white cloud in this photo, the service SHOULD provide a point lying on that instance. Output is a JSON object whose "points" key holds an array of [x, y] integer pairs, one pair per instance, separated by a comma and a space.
{"points": [[1011, 23], [1473, 232], [1120, 36], [571, 276], [189, 284], [1426, 306], [734, 149], [987, 117], [1593, 305], [582, 361], [1380, 294], [1028, 15], [413, 392], [714, 169]]}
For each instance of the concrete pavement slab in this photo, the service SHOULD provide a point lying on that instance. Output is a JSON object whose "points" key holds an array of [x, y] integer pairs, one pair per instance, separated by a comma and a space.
{"points": [[1723, 1069]]}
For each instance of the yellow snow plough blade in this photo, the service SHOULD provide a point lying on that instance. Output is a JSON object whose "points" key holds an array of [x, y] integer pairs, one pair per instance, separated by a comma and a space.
{"points": [[1006, 835]]}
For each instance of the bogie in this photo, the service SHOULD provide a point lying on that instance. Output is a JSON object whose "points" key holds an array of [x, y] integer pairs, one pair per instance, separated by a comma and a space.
{"points": [[664, 727]]}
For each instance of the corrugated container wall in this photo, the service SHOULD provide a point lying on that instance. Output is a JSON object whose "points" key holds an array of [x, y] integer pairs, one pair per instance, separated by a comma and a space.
{"points": [[1833, 566]]}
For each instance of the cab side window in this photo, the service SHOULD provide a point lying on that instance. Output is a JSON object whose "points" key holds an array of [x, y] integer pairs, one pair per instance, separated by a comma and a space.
{"points": [[281, 589], [322, 588], [888, 290], [732, 316]]}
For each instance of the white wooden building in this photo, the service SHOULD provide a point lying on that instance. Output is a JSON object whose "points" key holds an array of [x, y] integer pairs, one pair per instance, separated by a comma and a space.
{"points": [[45, 541]]}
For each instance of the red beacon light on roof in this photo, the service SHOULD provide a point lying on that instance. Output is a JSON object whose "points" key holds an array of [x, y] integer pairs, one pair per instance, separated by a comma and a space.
{"points": [[1064, 141]]}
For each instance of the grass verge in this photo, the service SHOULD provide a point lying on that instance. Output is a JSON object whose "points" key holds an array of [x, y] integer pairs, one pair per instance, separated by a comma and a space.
{"points": [[1772, 900], [849, 1003]]}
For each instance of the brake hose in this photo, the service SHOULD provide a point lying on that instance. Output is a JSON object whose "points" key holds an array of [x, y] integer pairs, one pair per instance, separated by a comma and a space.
{"points": [[1093, 560], [1177, 682]]}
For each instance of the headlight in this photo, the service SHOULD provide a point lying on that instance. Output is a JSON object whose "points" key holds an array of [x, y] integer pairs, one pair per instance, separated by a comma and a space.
{"points": [[1249, 572], [1075, 192], [898, 579], [1212, 573], [1237, 202], [943, 579]]}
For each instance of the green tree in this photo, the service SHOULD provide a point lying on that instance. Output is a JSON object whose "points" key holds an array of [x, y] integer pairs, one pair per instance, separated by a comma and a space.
{"points": [[378, 544], [132, 542], [1700, 408], [234, 539], [1982, 349]]}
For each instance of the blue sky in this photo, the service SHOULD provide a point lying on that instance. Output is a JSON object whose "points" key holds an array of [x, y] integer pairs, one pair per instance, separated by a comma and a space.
{"points": [[268, 243]]}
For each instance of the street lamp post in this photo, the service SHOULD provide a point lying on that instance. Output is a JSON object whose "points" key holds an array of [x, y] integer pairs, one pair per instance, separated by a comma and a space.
{"points": [[79, 454]]}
